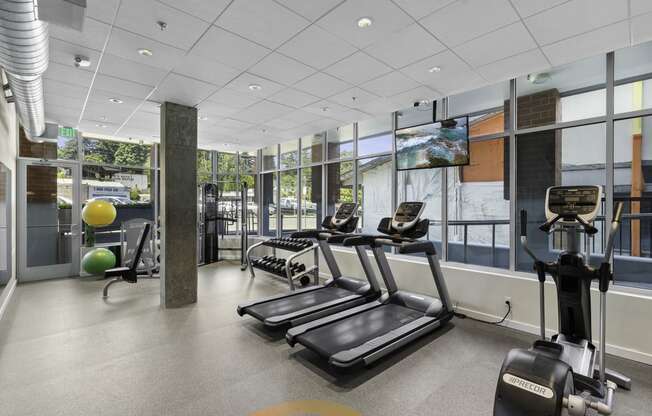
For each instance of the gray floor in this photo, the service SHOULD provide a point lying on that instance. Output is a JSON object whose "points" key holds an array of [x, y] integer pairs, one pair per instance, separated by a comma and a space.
{"points": [[63, 350]]}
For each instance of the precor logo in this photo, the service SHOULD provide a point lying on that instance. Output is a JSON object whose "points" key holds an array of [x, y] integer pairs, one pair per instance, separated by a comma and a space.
{"points": [[527, 385]]}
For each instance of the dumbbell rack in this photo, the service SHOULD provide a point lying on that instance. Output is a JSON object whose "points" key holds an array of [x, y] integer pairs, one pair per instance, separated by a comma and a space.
{"points": [[278, 244]]}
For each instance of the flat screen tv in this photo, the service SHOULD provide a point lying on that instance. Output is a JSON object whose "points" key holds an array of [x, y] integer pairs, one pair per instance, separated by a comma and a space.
{"points": [[433, 145]]}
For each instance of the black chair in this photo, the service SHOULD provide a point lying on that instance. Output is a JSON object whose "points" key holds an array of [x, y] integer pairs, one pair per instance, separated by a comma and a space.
{"points": [[129, 271]]}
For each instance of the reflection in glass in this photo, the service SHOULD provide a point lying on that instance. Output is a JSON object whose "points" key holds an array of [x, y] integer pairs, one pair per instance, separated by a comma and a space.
{"points": [[312, 148], [374, 181], [375, 136], [339, 142], [5, 226], [289, 154], [340, 185], [269, 202], [311, 198], [289, 203]]}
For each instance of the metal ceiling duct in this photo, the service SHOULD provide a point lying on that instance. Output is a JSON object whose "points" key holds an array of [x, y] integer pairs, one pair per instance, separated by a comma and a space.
{"points": [[24, 57]]}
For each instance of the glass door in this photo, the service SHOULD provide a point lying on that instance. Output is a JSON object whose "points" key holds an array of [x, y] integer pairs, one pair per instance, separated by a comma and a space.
{"points": [[49, 218]]}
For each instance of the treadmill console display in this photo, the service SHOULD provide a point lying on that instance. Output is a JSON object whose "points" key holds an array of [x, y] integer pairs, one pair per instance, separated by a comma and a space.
{"points": [[568, 201], [345, 212], [407, 215]]}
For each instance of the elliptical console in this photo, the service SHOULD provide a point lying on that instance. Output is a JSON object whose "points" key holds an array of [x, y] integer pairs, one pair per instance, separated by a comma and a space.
{"points": [[563, 375]]}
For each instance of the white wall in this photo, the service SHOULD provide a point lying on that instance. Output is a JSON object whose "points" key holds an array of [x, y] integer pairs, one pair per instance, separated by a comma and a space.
{"points": [[8, 158], [481, 292]]}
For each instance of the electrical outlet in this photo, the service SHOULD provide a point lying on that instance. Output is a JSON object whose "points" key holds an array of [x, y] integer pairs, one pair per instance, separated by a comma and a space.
{"points": [[508, 300]]}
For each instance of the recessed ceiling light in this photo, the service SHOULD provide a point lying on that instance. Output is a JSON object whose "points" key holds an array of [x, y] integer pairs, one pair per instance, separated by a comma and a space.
{"points": [[103, 126], [424, 102], [145, 52], [434, 69], [202, 118], [81, 61], [116, 100], [364, 22], [540, 78], [255, 87]]}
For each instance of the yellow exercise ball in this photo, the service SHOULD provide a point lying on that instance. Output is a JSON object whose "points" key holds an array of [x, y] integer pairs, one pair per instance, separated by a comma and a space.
{"points": [[99, 213]]}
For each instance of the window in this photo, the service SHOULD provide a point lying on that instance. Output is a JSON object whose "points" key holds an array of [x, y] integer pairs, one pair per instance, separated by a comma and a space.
{"points": [[374, 181], [557, 157], [270, 157], [269, 203], [248, 162], [570, 92], [339, 142], [289, 154], [311, 198], [423, 185], [632, 171], [375, 136], [65, 148], [311, 148], [339, 185], [289, 202], [633, 78], [110, 152], [129, 189], [413, 116], [204, 167]]}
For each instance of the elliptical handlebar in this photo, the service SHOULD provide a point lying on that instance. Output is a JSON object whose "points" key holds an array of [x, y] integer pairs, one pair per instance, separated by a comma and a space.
{"points": [[615, 224]]}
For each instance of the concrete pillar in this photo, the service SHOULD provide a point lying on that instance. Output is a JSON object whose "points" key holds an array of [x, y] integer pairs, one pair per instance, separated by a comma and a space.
{"points": [[178, 205]]}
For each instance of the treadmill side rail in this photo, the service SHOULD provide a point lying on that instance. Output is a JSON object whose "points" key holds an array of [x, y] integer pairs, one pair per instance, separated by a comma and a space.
{"points": [[378, 347], [280, 319], [242, 308], [296, 331]]}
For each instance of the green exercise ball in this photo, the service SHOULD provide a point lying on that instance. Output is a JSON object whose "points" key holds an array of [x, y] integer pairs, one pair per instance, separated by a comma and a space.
{"points": [[99, 213], [98, 260]]}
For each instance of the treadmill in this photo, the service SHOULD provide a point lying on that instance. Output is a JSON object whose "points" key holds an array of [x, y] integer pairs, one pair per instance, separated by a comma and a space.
{"points": [[361, 335], [337, 294]]}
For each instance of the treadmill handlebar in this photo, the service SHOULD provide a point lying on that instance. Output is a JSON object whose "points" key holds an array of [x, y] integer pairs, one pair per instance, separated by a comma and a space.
{"points": [[316, 234], [427, 247], [379, 240]]}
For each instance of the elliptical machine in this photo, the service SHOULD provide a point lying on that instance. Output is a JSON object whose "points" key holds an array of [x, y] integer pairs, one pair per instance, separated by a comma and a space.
{"points": [[563, 376]]}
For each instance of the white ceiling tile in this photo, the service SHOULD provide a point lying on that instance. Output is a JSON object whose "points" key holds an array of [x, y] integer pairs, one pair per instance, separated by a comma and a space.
{"points": [[232, 50], [422, 8], [602, 40], [316, 47], [93, 34], [573, 18], [74, 104], [640, 7], [63, 52], [227, 97], [261, 21], [382, 106], [353, 98], [281, 69], [96, 127], [310, 9], [103, 10], [322, 85], [408, 98], [642, 28], [528, 7], [145, 121], [301, 117], [141, 17], [513, 39], [405, 47], [293, 98], [126, 44], [182, 90], [212, 109], [61, 116], [103, 97], [55, 87], [515, 66], [119, 67], [447, 61], [459, 82], [206, 70], [464, 20], [107, 112], [385, 15], [69, 74], [243, 81], [390, 84], [120, 87], [229, 123], [281, 124], [262, 111], [326, 108], [358, 68], [207, 10]]}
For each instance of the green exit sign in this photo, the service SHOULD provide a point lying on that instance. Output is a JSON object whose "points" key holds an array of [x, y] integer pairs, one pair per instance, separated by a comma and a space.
{"points": [[67, 132]]}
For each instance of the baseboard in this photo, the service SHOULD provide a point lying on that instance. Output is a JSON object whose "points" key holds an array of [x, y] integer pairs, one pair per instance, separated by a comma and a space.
{"points": [[6, 296], [612, 349]]}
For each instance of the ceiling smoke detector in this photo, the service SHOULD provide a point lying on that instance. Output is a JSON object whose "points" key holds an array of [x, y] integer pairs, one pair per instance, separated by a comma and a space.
{"points": [[162, 25], [115, 100], [81, 61], [540, 78]]}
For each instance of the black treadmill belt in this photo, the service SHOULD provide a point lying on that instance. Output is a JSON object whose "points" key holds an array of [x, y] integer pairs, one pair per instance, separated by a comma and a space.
{"points": [[357, 329], [297, 302]]}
